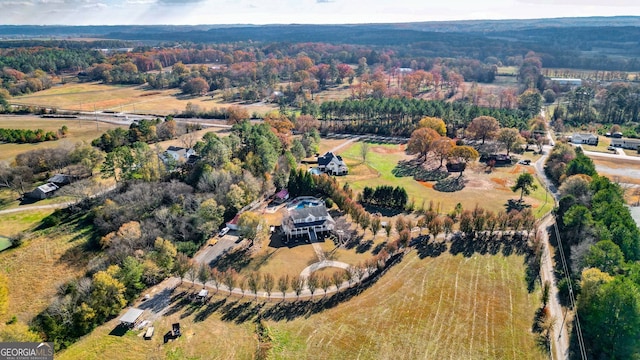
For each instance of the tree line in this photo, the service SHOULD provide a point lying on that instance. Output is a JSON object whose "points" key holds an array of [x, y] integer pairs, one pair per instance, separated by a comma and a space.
{"points": [[28, 136], [602, 248]]}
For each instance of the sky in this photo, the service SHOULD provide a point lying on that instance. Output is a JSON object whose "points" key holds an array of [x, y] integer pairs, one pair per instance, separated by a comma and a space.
{"points": [[193, 12]]}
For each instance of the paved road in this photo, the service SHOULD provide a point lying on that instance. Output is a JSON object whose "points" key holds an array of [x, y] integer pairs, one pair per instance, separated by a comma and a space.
{"points": [[211, 253], [559, 338]]}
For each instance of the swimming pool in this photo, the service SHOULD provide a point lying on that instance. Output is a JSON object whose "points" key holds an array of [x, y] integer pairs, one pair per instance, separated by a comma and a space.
{"points": [[301, 203]]}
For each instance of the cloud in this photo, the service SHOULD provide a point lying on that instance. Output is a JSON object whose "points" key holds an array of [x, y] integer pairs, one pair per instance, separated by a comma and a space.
{"points": [[179, 2], [615, 3]]}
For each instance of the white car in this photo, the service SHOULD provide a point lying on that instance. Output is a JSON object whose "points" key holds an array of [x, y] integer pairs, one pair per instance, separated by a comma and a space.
{"points": [[223, 232]]}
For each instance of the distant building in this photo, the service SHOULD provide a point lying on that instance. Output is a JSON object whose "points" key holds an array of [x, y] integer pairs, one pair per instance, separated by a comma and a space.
{"points": [[43, 191], [631, 144], [307, 221], [567, 81], [332, 164], [588, 139]]}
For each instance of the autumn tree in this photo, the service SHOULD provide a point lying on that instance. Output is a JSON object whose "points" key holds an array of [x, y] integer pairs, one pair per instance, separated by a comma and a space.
{"points": [[252, 226], [463, 155], [483, 128], [421, 141], [181, 265], [441, 148], [510, 137], [236, 114], [525, 184], [195, 86], [434, 123]]}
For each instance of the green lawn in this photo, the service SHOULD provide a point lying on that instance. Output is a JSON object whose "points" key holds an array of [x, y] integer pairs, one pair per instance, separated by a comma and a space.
{"points": [[489, 190]]}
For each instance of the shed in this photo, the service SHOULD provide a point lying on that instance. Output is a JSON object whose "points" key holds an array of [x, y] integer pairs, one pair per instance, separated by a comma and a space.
{"points": [[233, 224], [43, 191], [131, 317], [61, 179], [282, 196]]}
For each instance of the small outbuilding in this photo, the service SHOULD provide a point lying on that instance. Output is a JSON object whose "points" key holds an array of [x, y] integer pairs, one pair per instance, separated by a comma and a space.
{"points": [[61, 179], [281, 196], [43, 191], [131, 317]]}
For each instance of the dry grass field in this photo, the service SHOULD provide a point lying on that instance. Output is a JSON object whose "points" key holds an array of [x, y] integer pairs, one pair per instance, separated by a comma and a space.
{"points": [[44, 261], [382, 158], [79, 130], [132, 99], [447, 307], [210, 339]]}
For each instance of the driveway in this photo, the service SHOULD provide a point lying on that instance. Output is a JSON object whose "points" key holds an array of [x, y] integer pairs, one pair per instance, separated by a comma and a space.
{"points": [[211, 253]]}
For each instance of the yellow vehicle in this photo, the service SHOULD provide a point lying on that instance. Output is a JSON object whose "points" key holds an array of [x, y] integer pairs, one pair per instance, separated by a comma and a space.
{"points": [[213, 241]]}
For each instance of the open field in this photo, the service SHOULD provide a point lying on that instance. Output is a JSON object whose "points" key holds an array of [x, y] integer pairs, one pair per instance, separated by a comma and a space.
{"points": [[383, 158], [447, 306], [79, 130], [39, 265], [13, 223], [210, 339], [132, 99]]}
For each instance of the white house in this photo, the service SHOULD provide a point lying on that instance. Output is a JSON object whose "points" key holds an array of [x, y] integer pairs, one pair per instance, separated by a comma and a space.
{"points": [[588, 139], [631, 144], [307, 221], [179, 154], [567, 81], [332, 164]]}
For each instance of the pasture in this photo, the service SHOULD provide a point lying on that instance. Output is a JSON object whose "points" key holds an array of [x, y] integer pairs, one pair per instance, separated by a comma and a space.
{"points": [[44, 261], [448, 306], [79, 130], [131, 99], [383, 158]]}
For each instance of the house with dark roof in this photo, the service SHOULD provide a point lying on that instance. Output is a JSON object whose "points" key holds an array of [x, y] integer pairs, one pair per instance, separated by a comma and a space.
{"points": [[307, 221], [332, 164], [61, 179]]}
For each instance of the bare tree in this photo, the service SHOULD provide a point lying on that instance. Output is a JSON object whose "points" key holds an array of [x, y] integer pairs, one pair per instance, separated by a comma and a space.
{"points": [[325, 283], [312, 283], [254, 280], [338, 278], [364, 151], [298, 286], [268, 282], [283, 285]]}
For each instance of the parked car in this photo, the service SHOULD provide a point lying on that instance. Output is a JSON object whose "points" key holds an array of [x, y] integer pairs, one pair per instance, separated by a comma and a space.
{"points": [[525, 162], [611, 148], [223, 232]]}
